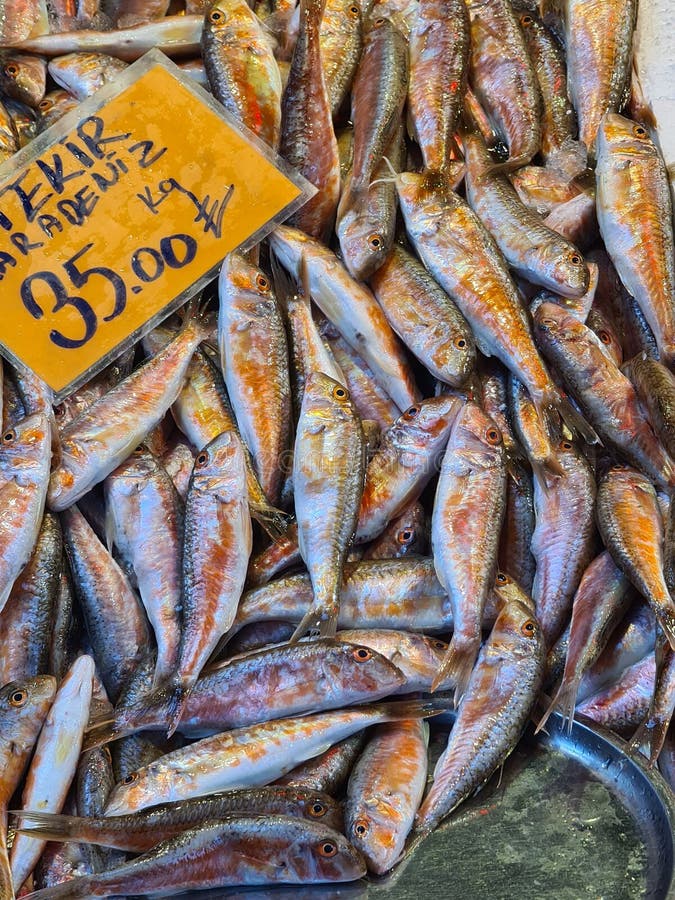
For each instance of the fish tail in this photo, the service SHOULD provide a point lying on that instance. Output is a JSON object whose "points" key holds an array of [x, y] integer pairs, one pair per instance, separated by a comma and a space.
{"points": [[274, 521], [565, 701], [639, 738], [573, 419], [49, 826], [457, 666], [328, 626], [176, 706], [310, 622], [75, 889], [413, 709], [6, 885], [667, 622], [509, 165], [101, 730], [542, 475]]}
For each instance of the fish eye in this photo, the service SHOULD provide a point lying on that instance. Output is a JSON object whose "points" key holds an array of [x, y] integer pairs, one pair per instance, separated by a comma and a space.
{"points": [[375, 241], [317, 809], [605, 336], [17, 699], [460, 343], [547, 322], [526, 20], [362, 654], [502, 578], [529, 628], [405, 536], [565, 445], [327, 849], [216, 15], [353, 10], [439, 645], [639, 131], [575, 259], [262, 283], [202, 459], [493, 436], [340, 393], [131, 777], [411, 413], [9, 436], [44, 105], [361, 827], [617, 468], [12, 70]]}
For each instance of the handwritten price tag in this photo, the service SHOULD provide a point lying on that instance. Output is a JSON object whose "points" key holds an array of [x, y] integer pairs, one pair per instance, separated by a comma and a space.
{"points": [[121, 211]]}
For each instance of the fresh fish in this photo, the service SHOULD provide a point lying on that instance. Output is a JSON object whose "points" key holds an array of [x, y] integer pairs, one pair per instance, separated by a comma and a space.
{"points": [[26, 621], [558, 121], [607, 397], [328, 471], [241, 67], [352, 309], [174, 35], [600, 324], [496, 706], [623, 704], [250, 757], [82, 74], [25, 455], [114, 619], [127, 13], [385, 791], [53, 766], [23, 709], [311, 151], [142, 831], [635, 216], [563, 539], [630, 524], [598, 43], [178, 463], [254, 359], [533, 435], [503, 79], [439, 62], [515, 553], [367, 229], [424, 317], [95, 443], [493, 397], [144, 521], [304, 677], [446, 232], [62, 623], [415, 655], [341, 43], [94, 781], [53, 106], [600, 602], [216, 548], [235, 850], [655, 386], [378, 95], [465, 544], [330, 770], [21, 19], [532, 250], [657, 721]]}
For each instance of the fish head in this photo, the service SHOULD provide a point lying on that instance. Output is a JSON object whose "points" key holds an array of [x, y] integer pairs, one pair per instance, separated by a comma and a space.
{"points": [[137, 467], [53, 106], [25, 444], [320, 808], [223, 18], [508, 589], [604, 329], [25, 701], [563, 268], [406, 535], [325, 400], [373, 825], [23, 77], [244, 286], [327, 856], [622, 137], [220, 467], [424, 200], [361, 670], [554, 325], [426, 425], [475, 440], [363, 242], [516, 631]]}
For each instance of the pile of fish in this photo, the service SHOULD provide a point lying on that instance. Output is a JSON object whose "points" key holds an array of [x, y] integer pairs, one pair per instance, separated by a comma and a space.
{"points": [[437, 404]]}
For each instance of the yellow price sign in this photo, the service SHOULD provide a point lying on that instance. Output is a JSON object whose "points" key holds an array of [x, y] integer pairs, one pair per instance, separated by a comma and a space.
{"points": [[121, 211]]}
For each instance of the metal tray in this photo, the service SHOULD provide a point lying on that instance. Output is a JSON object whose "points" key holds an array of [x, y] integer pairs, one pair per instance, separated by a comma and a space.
{"points": [[571, 818]]}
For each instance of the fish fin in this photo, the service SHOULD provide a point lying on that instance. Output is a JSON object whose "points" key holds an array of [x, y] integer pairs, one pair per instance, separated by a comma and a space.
{"points": [[457, 665], [639, 738], [273, 521], [564, 700], [48, 826], [554, 407], [328, 626], [75, 889], [667, 622], [413, 709], [6, 885], [507, 166], [178, 696], [313, 621]]}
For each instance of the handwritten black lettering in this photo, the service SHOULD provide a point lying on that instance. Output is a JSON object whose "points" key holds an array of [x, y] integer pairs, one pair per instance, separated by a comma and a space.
{"points": [[54, 173], [49, 224], [5, 222], [211, 212], [146, 148], [106, 180], [77, 210], [6, 259], [90, 132], [23, 244], [26, 197], [79, 154]]}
